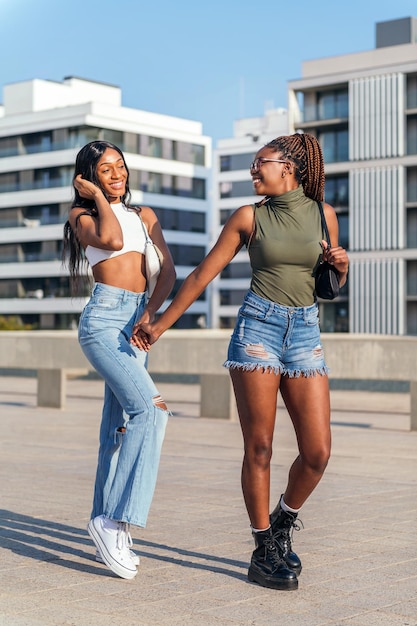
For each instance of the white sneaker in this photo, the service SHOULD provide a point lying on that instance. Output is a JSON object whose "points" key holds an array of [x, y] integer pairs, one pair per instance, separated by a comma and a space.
{"points": [[112, 541], [135, 557]]}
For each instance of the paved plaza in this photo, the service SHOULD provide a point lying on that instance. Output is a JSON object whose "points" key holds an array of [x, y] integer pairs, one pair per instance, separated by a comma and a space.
{"points": [[358, 545]]}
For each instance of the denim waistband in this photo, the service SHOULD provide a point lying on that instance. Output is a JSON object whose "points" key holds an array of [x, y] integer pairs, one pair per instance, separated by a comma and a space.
{"points": [[123, 294], [280, 309]]}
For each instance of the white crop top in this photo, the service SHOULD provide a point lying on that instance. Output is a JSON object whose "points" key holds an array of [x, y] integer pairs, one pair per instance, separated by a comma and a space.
{"points": [[133, 236]]}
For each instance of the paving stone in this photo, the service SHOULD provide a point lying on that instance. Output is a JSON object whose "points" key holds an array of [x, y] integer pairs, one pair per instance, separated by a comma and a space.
{"points": [[358, 546]]}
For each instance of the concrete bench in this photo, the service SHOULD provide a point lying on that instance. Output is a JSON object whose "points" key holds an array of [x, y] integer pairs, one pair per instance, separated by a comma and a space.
{"points": [[55, 354]]}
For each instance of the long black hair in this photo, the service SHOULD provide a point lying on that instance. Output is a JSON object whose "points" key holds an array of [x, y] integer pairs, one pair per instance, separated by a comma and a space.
{"points": [[86, 164]]}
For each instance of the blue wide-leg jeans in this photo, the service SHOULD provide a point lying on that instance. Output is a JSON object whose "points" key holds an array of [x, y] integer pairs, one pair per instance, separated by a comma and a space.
{"points": [[132, 426]]}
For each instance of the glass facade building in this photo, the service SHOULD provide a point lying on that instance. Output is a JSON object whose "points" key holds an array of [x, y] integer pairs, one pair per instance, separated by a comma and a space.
{"points": [[42, 127], [363, 109]]}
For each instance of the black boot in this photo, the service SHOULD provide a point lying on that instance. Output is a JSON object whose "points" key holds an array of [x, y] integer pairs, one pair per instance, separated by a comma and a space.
{"points": [[266, 567], [282, 523]]}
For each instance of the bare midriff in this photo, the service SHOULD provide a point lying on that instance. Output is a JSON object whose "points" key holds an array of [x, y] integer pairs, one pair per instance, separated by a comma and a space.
{"points": [[125, 271]]}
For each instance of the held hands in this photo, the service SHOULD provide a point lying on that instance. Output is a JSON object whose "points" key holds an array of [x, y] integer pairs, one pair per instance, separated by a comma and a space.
{"points": [[143, 334]]}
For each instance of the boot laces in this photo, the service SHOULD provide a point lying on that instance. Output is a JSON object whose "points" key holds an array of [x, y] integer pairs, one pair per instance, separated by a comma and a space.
{"points": [[271, 550], [284, 535]]}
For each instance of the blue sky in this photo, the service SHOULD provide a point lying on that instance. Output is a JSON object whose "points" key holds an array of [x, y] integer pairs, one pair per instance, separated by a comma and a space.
{"points": [[211, 61]]}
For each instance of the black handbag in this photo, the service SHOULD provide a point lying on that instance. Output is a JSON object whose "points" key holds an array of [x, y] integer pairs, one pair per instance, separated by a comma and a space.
{"points": [[326, 276]]}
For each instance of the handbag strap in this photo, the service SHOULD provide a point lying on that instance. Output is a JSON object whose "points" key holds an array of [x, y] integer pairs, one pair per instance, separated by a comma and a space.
{"points": [[147, 237], [324, 224]]}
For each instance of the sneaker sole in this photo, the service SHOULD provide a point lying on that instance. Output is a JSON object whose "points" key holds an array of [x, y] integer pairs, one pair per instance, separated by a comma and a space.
{"points": [[108, 560], [284, 585]]}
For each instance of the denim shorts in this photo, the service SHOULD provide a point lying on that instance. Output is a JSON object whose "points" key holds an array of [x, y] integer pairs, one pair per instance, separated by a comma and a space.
{"points": [[276, 338]]}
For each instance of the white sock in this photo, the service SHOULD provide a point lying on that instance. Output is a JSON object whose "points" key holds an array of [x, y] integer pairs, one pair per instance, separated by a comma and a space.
{"points": [[287, 508], [109, 524], [259, 530]]}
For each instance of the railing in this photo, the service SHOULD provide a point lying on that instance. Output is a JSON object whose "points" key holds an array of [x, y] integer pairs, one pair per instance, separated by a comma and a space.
{"points": [[51, 146], [34, 222], [35, 184]]}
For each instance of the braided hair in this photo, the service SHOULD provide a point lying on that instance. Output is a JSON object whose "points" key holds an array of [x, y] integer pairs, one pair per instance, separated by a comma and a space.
{"points": [[304, 151]]}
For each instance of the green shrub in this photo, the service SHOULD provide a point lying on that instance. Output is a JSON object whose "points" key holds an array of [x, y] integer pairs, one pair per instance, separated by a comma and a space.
{"points": [[13, 322]]}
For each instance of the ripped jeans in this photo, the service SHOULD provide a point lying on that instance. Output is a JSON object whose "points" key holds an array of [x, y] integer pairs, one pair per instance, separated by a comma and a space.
{"points": [[134, 416]]}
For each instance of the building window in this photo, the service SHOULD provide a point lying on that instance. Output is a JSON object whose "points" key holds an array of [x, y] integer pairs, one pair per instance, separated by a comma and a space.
{"points": [[198, 154], [168, 182], [233, 162], [9, 182], [199, 188], [44, 178], [155, 147], [237, 270], [412, 228], [412, 184], [343, 220], [232, 297], [236, 189], [190, 187], [227, 322], [113, 136], [335, 145], [189, 320], [8, 146], [412, 92], [187, 255], [224, 215], [334, 317], [134, 179], [37, 142], [412, 278], [337, 194], [412, 134], [332, 104], [185, 221], [80, 136], [154, 182], [190, 153], [411, 318], [337, 191]]}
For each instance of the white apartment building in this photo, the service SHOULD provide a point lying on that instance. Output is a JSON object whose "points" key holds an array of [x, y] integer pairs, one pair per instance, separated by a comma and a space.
{"points": [[232, 188], [363, 109], [43, 124]]}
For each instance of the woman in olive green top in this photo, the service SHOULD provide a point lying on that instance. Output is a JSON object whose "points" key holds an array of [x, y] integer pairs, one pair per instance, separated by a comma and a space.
{"points": [[276, 342]]}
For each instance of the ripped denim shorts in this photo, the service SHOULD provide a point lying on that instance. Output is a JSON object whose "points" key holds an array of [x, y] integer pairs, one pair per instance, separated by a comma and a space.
{"points": [[276, 338]]}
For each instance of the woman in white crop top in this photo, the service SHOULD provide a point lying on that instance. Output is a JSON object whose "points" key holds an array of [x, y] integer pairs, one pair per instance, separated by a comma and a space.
{"points": [[103, 229]]}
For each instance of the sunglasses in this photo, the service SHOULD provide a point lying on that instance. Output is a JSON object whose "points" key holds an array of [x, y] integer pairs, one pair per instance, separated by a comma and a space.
{"points": [[256, 164]]}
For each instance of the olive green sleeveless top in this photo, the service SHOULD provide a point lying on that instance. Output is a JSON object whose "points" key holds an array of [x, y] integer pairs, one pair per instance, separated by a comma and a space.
{"points": [[285, 249]]}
